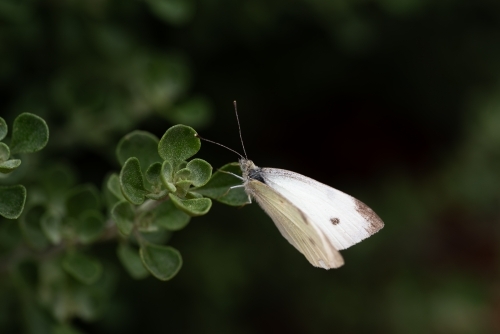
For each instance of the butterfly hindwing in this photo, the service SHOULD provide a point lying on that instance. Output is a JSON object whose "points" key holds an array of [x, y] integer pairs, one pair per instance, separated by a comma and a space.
{"points": [[295, 226]]}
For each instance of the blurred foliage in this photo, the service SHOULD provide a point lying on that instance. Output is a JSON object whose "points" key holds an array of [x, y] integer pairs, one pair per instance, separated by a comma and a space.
{"points": [[394, 102]]}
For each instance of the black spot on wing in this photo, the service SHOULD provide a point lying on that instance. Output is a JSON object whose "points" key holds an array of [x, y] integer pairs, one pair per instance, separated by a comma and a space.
{"points": [[335, 221]]}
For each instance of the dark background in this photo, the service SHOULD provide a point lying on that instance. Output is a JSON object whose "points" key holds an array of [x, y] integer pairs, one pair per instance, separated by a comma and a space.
{"points": [[394, 102]]}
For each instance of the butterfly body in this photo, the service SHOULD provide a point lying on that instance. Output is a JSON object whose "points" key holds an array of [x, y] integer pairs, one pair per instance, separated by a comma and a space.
{"points": [[316, 219]]}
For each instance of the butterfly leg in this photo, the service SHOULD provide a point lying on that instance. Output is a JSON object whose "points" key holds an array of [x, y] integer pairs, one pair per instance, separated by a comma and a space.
{"points": [[235, 187], [235, 175], [241, 186]]}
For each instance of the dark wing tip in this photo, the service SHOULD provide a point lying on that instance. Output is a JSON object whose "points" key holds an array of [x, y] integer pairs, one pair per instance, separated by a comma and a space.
{"points": [[370, 216]]}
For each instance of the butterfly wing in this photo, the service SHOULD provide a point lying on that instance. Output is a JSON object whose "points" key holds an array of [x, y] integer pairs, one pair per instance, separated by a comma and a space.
{"points": [[343, 219], [295, 226]]}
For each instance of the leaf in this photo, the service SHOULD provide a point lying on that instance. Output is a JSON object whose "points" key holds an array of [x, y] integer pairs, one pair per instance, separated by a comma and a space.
{"points": [[132, 181], [3, 128], [9, 165], [160, 236], [90, 227], [113, 185], [182, 174], [168, 216], [153, 174], [82, 199], [178, 144], [132, 262], [193, 207], [51, 227], [201, 171], [193, 194], [4, 152], [30, 134], [173, 11], [162, 262], [82, 267], [140, 144], [218, 186], [124, 216], [182, 187], [12, 199], [32, 230], [166, 176]]}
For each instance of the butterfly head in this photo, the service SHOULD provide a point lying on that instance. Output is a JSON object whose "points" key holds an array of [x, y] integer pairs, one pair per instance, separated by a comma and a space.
{"points": [[249, 171]]}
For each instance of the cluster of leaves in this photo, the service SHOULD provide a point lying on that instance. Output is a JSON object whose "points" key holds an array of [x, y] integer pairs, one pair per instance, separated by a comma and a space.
{"points": [[157, 192], [29, 134]]}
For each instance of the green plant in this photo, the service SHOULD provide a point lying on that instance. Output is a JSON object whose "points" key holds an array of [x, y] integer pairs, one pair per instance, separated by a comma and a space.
{"points": [[159, 188], [29, 134]]}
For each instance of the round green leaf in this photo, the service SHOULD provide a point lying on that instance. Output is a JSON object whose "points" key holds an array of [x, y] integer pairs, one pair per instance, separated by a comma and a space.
{"points": [[124, 216], [9, 165], [178, 144], [153, 174], [90, 226], [109, 198], [12, 199], [51, 227], [4, 152], [113, 185], [201, 171], [132, 181], [160, 236], [218, 187], [167, 176], [140, 144], [3, 128], [82, 199], [162, 262], [182, 174], [182, 187], [131, 260], [193, 207], [30, 134], [82, 267], [193, 194], [168, 216]]}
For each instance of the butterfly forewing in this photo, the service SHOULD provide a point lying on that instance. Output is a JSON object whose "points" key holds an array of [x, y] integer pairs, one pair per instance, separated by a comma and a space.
{"points": [[295, 227], [343, 219]]}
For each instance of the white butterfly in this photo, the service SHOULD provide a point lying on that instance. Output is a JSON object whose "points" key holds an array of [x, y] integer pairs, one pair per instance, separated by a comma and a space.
{"points": [[316, 219]]}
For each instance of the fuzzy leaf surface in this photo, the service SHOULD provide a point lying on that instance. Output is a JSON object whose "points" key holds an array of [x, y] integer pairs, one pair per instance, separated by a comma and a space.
{"points": [[30, 134]]}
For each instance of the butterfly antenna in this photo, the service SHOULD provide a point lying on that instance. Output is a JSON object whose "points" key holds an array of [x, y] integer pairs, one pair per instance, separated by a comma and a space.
{"points": [[239, 128], [216, 143]]}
